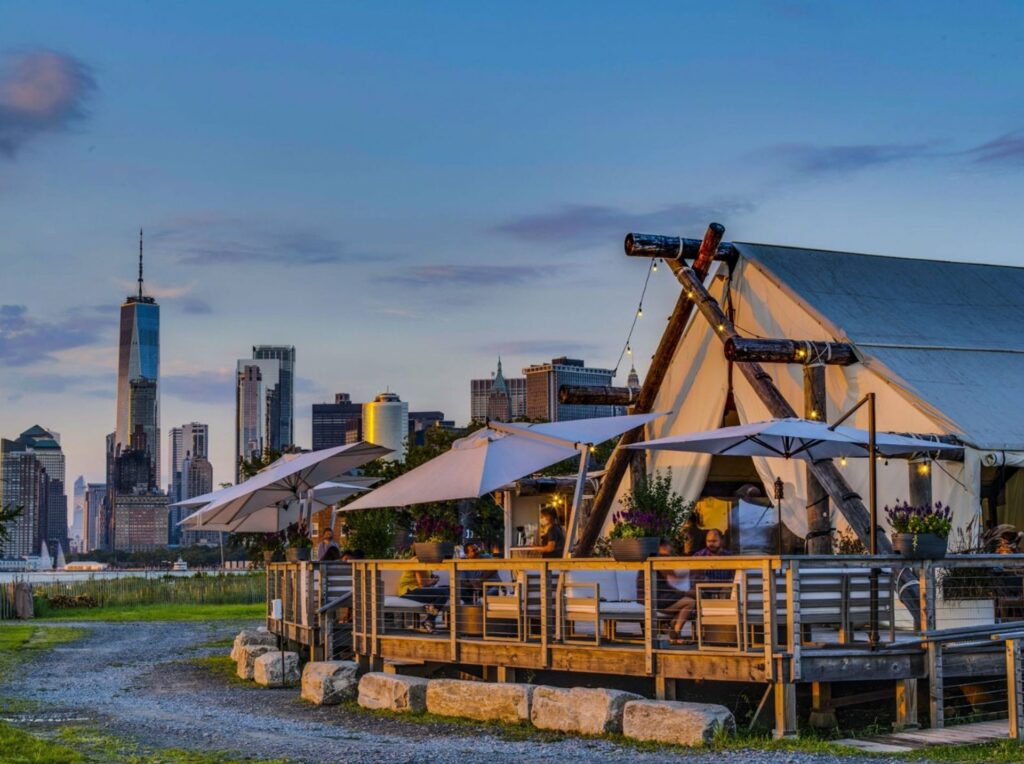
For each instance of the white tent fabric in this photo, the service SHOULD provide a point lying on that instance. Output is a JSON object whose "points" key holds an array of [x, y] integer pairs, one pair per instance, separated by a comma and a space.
{"points": [[696, 388], [487, 460]]}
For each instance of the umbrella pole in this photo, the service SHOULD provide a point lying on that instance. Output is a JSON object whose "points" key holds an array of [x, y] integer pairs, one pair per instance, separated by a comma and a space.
{"points": [[577, 500], [873, 502]]}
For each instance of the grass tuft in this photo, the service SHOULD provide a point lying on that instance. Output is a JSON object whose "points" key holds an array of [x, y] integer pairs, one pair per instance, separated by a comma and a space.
{"points": [[162, 612]]}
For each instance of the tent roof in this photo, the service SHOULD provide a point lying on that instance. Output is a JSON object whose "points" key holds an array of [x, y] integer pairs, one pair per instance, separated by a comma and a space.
{"points": [[951, 333]]}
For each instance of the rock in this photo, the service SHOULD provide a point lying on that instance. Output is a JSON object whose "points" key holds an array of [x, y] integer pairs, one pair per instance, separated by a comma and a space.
{"points": [[329, 682], [579, 709], [251, 637], [393, 692], [276, 669], [247, 656], [668, 721], [484, 701]]}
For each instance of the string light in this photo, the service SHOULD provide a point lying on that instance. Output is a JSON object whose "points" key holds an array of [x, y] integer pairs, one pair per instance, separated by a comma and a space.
{"points": [[640, 312], [923, 468], [629, 350], [814, 414], [654, 268], [626, 348], [842, 461]]}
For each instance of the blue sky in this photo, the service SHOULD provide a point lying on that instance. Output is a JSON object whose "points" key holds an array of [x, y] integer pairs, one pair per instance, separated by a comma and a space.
{"points": [[404, 191]]}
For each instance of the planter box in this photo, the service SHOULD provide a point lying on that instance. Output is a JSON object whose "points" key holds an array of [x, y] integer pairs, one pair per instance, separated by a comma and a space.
{"points": [[297, 554], [433, 551], [919, 546], [634, 550]]}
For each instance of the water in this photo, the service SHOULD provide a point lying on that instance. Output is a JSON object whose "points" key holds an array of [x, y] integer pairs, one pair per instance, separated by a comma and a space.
{"points": [[50, 576]]}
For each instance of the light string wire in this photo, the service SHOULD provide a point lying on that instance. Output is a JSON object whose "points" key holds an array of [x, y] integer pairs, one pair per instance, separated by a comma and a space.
{"points": [[636, 317]]}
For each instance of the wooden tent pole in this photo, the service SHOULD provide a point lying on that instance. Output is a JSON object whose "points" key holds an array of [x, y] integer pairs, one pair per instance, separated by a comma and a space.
{"points": [[621, 457], [846, 499], [819, 520]]}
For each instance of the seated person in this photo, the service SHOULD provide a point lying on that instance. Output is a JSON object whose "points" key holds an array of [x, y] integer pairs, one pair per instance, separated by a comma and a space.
{"points": [[714, 547], [471, 582], [673, 594], [328, 548], [551, 538], [421, 586]]}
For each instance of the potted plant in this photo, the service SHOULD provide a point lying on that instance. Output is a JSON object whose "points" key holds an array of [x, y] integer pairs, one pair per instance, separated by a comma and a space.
{"points": [[922, 532], [653, 511], [435, 537], [300, 545]]}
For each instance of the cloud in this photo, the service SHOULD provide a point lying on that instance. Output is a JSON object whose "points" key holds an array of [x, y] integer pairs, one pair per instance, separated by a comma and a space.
{"points": [[810, 159], [213, 240], [91, 385], [41, 91], [1006, 148], [471, 275], [543, 348], [196, 306], [585, 224], [25, 339], [212, 386]]}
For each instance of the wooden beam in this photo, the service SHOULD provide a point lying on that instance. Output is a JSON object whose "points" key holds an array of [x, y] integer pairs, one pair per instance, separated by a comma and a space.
{"points": [[819, 519], [598, 395], [674, 247], [621, 456], [790, 351]]}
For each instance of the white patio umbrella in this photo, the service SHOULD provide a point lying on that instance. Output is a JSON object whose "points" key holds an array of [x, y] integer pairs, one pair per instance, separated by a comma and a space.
{"points": [[792, 438], [277, 516], [290, 480], [497, 455]]}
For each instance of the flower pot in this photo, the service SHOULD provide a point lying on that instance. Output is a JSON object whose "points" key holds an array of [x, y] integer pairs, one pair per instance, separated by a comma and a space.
{"points": [[268, 556], [634, 550], [433, 551], [919, 546], [297, 553]]}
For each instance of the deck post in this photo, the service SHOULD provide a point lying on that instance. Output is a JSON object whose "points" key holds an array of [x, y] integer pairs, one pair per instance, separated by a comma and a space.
{"points": [[664, 687], [936, 709], [505, 674], [785, 709], [768, 607], [649, 625], [823, 715], [545, 594], [453, 613], [793, 616], [906, 705], [1014, 694], [927, 588]]}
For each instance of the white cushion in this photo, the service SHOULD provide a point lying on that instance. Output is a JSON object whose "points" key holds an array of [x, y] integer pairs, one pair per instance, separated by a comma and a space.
{"points": [[622, 608]]}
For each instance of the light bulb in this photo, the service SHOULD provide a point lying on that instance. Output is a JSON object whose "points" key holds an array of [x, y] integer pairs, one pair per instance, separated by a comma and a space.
{"points": [[655, 268], [842, 461], [639, 312], [922, 468]]}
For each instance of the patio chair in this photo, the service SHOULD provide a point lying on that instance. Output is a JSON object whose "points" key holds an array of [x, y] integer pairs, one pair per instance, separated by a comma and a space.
{"points": [[502, 601], [719, 607]]}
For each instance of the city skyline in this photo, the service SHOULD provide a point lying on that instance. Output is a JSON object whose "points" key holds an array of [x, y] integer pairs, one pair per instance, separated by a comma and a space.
{"points": [[504, 200]]}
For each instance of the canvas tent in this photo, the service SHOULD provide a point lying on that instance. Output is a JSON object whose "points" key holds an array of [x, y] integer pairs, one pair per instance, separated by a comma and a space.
{"points": [[941, 345]]}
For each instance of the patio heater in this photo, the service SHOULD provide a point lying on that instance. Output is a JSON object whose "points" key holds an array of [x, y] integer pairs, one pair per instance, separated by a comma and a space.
{"points": [[869, 399]]}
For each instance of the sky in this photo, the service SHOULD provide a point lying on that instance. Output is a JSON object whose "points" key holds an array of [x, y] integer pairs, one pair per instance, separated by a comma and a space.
{"points": [[405, 191]]}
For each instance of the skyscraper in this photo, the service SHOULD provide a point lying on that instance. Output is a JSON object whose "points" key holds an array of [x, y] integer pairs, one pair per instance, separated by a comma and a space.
{"points": [[76, 532], [189, 439], [386, 423], [282, 422], [480, 394], [338, 423], [139, 362], [544, 379], [33, 479], [257, 401], [197, 479], [95, 517]]}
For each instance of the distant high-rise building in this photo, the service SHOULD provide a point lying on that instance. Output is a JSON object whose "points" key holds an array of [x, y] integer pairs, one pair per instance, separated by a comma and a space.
{"points": [[386, 423], [145, 434], [33, 479], [480, 396], [76, 531], [197, 479], [633, 380], [192, 438], [338, 423], [421, 421], [140, 521], [139, 362], [543, 381], [257, 401], [282, 422], [94, 521]]}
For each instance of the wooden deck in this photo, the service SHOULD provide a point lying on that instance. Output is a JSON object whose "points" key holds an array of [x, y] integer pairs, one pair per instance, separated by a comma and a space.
{"points": [[905, 742], [777, 621]]}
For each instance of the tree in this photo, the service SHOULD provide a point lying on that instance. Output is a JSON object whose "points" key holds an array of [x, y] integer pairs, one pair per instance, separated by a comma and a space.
{"points": [[8, 515]]}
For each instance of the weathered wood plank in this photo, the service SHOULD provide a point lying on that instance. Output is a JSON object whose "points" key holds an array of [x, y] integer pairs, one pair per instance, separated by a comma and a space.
{"points": [[755, 350]]}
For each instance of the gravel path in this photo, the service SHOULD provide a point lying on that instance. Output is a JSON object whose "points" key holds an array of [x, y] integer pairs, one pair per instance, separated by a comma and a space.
{"points": [[129, 678]]}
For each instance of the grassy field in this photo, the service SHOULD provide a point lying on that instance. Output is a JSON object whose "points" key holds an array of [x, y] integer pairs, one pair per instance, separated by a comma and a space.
{"points": [[20, 642], [161, 612]]}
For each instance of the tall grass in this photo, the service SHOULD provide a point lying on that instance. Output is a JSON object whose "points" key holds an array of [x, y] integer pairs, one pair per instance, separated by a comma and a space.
{"points": [[130, 591]]}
